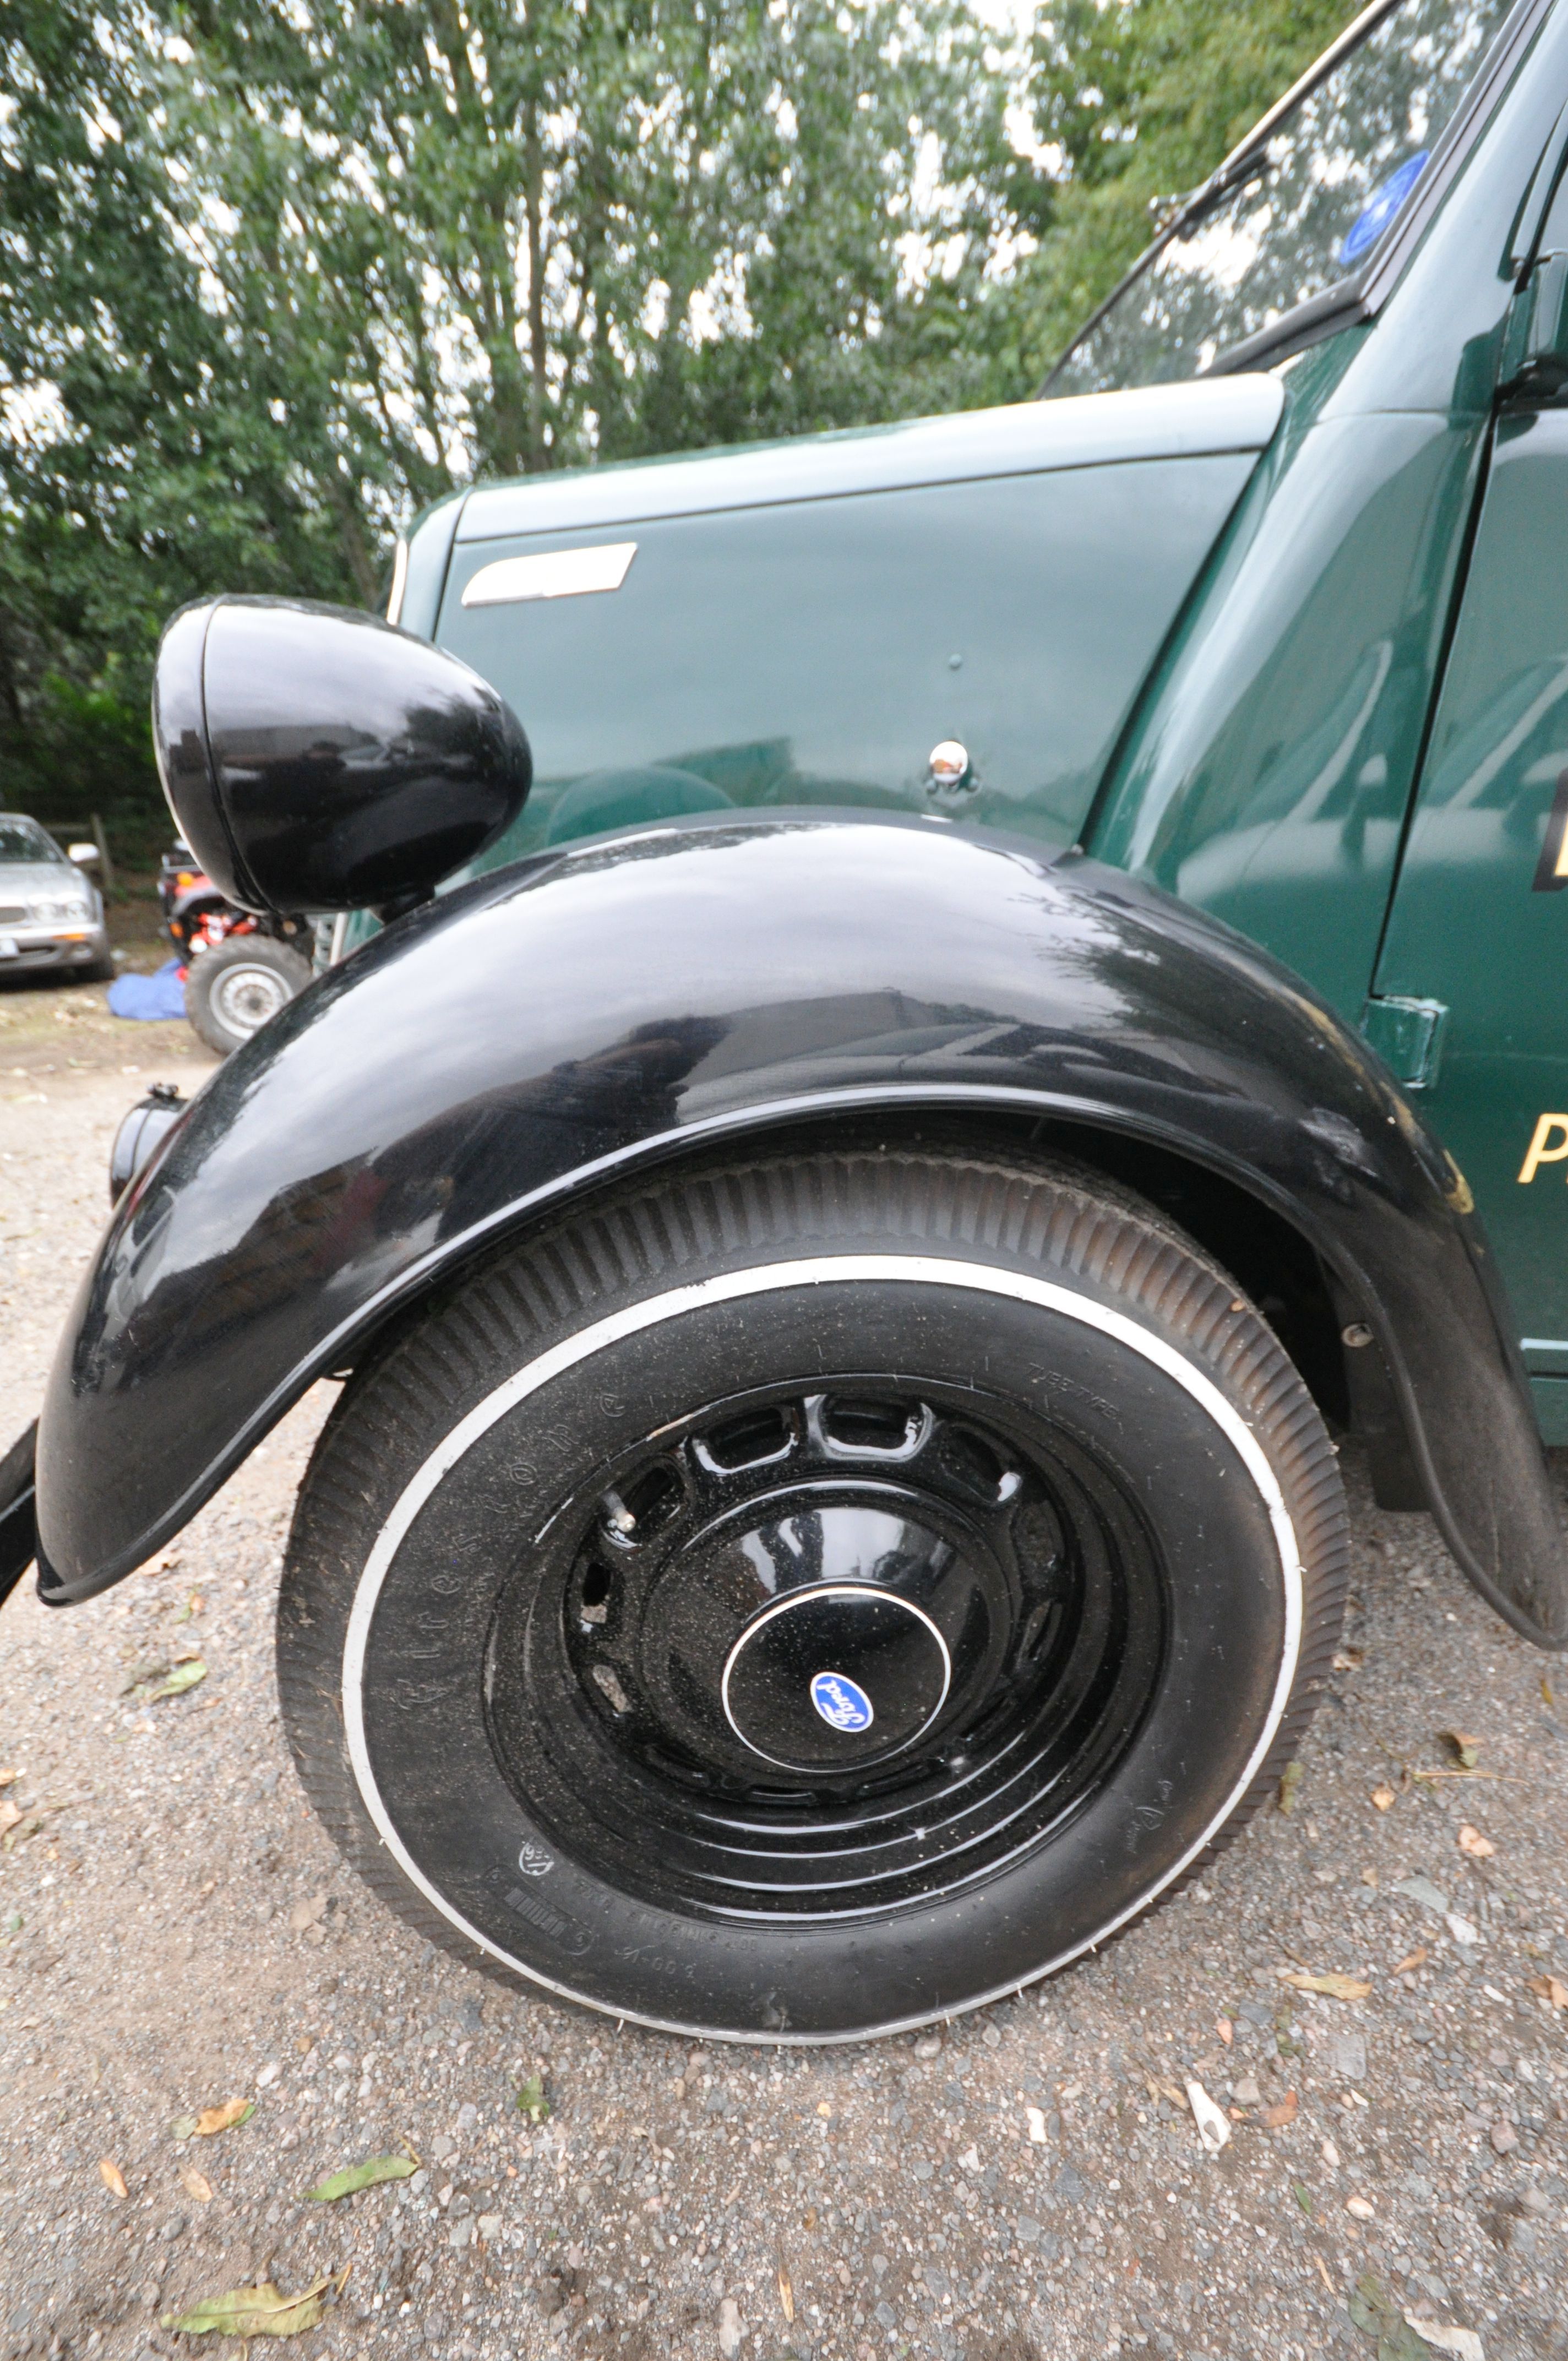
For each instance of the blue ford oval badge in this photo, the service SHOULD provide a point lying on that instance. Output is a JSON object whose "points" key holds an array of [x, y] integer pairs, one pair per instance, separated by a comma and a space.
{"points": [[841, 1702]]}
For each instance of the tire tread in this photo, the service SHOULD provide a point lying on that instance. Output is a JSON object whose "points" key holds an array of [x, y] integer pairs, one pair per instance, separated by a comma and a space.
{"points": [[1044, 1212]]}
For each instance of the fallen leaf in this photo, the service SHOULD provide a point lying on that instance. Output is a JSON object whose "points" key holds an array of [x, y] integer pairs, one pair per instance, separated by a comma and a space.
{"points": [[1547, 1697], [162, 1561], [1158, 2090], [1289, 1783], [532, 2102], [1350, 1660], [787, 2294], [1283, 2111], [1383, 1797], [252, 2311], [1331, 1987], [1324, 2273], [1369, 2307], [1376, 2314], [1461, 2340], [113, 2179], [9, 1778], [1466, 1750], [196, 2184], [1551, 1989], [24, 1825], [1226, 2030], [175, 1682], [1212, 2128], [214, 2119], [308, 1912], [1473, 1842], [1417, 1958], [354, 2177], [9, 1815], [1303, 2197]]}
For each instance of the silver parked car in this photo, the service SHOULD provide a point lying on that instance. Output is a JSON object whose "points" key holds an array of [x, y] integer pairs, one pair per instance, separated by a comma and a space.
{"points": [[51, 914]]}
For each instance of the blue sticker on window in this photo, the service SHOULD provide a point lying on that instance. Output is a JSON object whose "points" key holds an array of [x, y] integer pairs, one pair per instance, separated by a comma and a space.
{"points": [[841, 1702], [1381, 207]]}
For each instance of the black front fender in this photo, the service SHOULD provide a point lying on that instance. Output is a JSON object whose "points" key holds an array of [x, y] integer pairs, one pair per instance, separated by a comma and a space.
{"points": [[555, 1023]]}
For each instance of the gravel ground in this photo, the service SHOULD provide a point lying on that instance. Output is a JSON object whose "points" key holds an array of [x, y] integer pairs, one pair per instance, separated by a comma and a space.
{"points": [[176, 1934], [49, 1029]]}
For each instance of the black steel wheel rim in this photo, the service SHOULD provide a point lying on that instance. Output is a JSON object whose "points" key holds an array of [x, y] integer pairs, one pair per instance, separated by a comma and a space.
{"points": [[826, 1652]]}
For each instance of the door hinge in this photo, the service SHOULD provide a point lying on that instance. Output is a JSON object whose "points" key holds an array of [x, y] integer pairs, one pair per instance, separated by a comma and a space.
{"points": [[1408, 1036]]}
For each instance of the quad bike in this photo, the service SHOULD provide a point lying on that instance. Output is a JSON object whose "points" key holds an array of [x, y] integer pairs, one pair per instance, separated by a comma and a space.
{"points": [[240, 967]]}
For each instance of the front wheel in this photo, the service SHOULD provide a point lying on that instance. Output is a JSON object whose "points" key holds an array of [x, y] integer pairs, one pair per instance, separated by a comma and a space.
{"points": [[812, 1596], [233, 988]]}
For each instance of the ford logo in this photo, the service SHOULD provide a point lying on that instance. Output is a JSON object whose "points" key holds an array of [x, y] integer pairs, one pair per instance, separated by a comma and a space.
{"points": [[841, 1702]]}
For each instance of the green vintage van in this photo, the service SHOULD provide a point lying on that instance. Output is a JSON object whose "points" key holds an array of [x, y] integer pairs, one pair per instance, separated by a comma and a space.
{"points": [[992, 995]]}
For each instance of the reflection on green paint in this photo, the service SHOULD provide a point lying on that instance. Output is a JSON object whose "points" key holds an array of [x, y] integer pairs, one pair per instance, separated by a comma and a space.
{"points": [[814, 652]]}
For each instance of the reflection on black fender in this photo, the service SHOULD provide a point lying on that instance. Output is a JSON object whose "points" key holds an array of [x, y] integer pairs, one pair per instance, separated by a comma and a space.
{"points": [[587, 1012]]}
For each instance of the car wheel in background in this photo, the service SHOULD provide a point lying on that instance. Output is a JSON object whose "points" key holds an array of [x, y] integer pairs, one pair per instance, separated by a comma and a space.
{"points": [[231, 990]]}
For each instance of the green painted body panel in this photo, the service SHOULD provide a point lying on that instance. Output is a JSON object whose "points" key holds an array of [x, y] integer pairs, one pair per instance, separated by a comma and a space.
{"points": [[814, 652], [1270, 779], [1280, 770], [1549, 1396], [1321, 692], [1468, 927], [430, 554]]}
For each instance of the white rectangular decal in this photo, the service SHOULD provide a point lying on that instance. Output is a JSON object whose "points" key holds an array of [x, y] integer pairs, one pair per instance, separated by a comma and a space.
{"points": [[555, 574]]}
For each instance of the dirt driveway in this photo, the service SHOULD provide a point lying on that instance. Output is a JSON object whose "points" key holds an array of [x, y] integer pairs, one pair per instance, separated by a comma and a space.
{"points": [[175, 1936]]}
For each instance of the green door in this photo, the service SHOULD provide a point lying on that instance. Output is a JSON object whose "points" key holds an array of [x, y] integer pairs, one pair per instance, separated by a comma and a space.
{"points": [[1477, 939]]}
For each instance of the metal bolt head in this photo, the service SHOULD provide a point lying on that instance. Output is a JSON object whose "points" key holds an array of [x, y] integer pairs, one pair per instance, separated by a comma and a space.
{"points": [[950, 763], [1357, 1334]]}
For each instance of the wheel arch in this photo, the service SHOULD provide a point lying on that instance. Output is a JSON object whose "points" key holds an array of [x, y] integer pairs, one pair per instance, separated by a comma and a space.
{"points": [[1275, 1261], [693, 989]]}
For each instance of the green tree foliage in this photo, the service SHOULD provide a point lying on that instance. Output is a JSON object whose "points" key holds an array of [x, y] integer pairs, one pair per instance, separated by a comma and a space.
{"points": [[274, 274], [146, 453], [1136, 102], [501, 240]]}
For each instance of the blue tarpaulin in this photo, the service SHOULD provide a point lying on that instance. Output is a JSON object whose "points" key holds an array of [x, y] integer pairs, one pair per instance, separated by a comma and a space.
{"points": [[148, 997]]}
